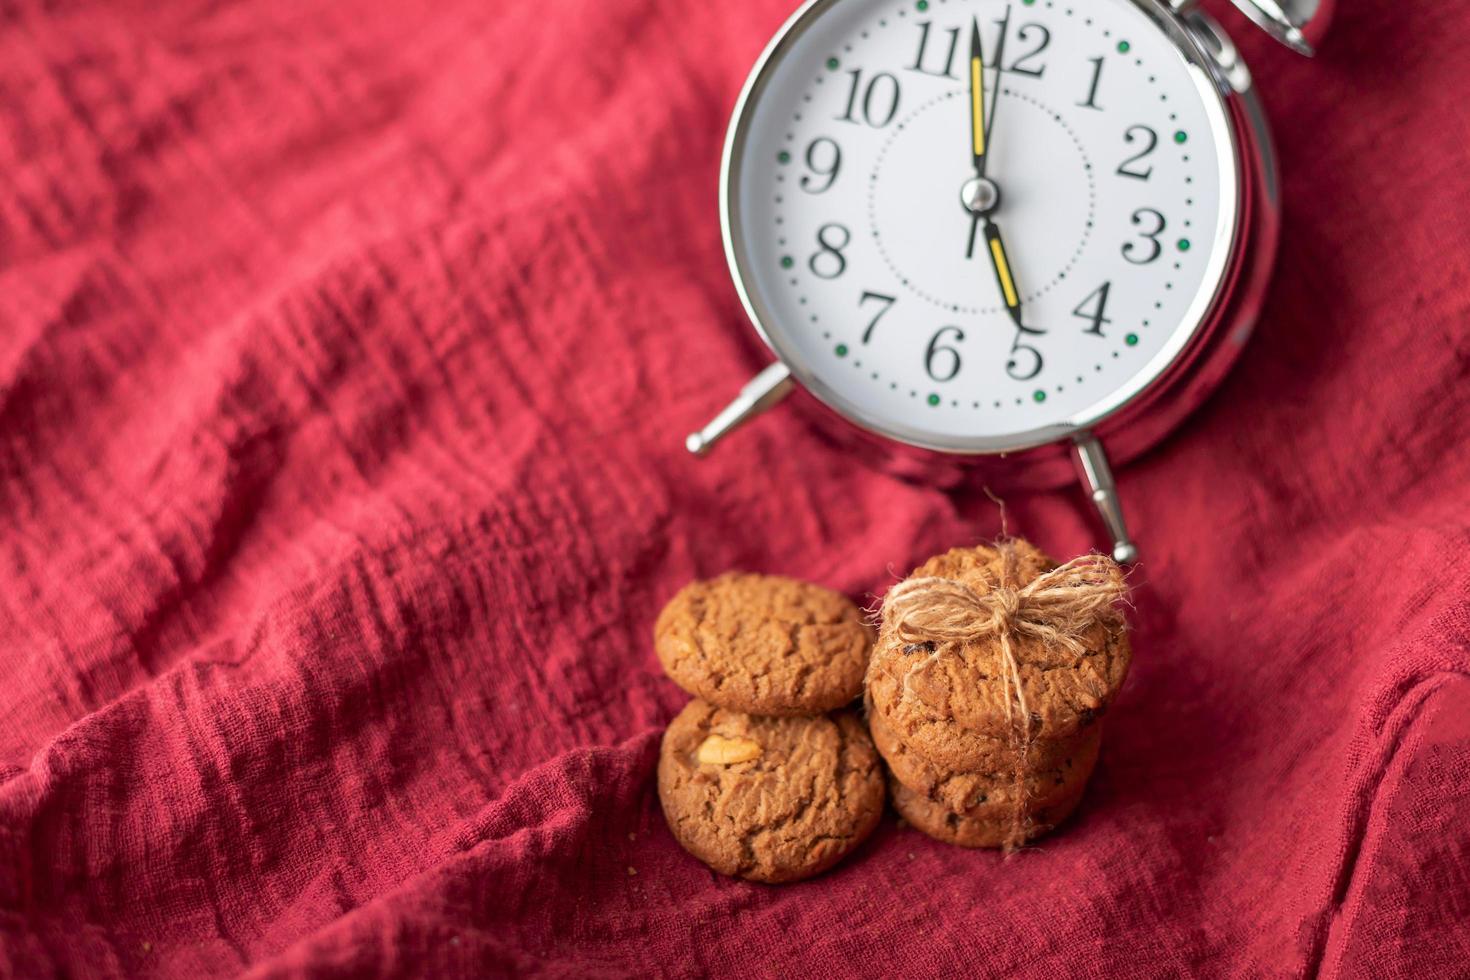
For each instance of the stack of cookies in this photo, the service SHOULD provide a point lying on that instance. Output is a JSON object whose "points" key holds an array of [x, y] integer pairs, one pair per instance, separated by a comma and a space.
{"points": [[767, 774], [968, 766]]}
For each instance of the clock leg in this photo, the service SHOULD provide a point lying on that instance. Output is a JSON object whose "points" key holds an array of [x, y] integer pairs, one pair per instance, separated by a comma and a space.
{"points": [[1098, 476], [759, 394]]}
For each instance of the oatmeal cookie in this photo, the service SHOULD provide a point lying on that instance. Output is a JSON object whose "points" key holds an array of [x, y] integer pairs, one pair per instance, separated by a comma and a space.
{"points": [[987, 831], [1055, 769], [765, 798], [764, 644]]}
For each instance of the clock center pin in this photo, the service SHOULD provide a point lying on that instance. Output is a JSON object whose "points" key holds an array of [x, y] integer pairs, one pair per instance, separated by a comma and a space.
{"points": [[980, 195]]}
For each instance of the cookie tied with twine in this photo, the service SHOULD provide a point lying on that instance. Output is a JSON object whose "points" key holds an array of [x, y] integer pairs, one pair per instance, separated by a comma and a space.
{"points": [[986, 652]]}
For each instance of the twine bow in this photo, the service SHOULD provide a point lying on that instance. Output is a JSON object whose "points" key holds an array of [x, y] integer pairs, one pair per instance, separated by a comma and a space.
{"points": [[1057, 608]]}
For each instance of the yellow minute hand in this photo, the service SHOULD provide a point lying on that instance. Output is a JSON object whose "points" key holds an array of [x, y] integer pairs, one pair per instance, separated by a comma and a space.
{"points": [[977, 96]]}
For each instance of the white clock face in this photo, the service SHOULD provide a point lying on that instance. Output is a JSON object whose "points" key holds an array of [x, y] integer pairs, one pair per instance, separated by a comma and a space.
{"points": [[974, 259]]}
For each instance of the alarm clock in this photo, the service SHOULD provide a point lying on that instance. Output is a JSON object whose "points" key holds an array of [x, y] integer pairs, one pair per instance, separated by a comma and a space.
{"points": [[1002, 240]]}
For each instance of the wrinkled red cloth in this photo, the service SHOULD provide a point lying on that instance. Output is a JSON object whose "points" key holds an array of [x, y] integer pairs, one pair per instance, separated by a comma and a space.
{"points": [[347, 352]]}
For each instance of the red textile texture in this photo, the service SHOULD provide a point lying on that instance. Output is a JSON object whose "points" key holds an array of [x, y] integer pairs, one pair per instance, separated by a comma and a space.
{"points": [[347, 352]]}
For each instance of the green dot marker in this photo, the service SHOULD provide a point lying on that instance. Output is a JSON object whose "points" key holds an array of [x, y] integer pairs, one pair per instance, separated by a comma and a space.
{"points": [[1124, 47], [933, 399], [833, 64], [923, 5], [784, 157], [1183, 244], [1029, 3], [1181, 137], [841, 350], [1131, 340], [787, 262], [1040, 396]]}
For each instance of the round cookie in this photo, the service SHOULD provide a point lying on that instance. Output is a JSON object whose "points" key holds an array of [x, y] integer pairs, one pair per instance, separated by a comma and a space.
{"points": [[1056, 769], [941, 742], [765, 798], [764, 644], [954, 711], [989, 831]]}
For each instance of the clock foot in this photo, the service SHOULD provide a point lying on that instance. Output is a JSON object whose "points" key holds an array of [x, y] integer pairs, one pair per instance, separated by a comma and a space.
{"points": [[762, 392], [1098, 476]]}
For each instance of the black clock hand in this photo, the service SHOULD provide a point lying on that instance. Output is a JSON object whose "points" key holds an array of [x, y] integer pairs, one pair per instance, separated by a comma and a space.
{"points": [[1000, 53], [976, 219]]}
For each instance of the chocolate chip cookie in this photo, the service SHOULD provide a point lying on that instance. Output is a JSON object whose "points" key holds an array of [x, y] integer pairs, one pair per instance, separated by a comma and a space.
{"points": [[764, 644], [765, 798]]}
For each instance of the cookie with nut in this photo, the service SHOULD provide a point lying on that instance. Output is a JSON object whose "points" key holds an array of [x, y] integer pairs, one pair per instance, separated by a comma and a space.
{"points": [[767, 798]]}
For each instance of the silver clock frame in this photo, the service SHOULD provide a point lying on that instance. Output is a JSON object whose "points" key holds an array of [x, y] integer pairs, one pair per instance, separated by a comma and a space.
{"points": [[1132, 418]]}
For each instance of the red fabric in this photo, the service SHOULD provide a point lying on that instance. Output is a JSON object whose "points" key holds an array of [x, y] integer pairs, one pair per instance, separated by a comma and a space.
{"points": [[347, 352]]}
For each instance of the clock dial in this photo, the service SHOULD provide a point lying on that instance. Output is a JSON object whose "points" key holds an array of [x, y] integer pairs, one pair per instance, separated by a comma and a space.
{"points": [[975, 225]]}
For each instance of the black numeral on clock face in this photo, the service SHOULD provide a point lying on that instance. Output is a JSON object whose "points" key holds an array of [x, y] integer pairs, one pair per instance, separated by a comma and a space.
{"points": [[941, 360], [1094, 309], [1025, 362], [1024, 64], [886, 305], [942, 68], [1151, 225], [824, 160], [1151, 142], [828, 262], [1091, 101], [878, 102]]}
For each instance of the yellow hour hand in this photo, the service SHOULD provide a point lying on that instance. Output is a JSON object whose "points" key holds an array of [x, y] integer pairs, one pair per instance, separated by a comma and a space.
{"points": [[1001, 260]]}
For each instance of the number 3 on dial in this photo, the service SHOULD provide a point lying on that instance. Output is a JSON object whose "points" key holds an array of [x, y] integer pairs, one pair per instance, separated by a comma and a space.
{"points": [[1143, 255]]}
